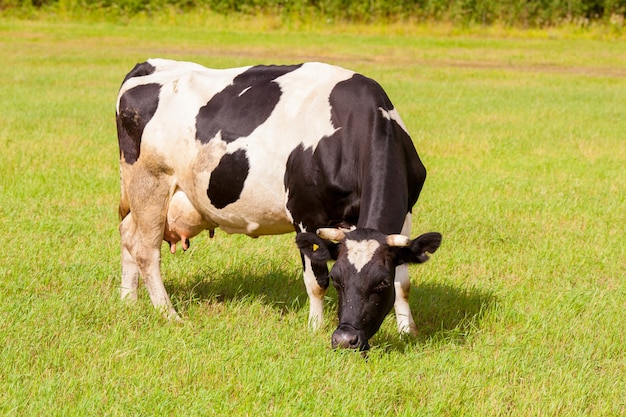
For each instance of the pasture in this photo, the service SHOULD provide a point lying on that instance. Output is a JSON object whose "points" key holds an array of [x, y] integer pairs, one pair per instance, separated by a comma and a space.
{"points": [[521, 312]]}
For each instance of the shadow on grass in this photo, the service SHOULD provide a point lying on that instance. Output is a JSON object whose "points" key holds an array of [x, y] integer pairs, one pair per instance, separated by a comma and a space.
{"points": [[280, 289], [443, 313]]}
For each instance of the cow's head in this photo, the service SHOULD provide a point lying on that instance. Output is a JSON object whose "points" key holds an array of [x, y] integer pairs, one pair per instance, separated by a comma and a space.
{"points": [[363, 275]]}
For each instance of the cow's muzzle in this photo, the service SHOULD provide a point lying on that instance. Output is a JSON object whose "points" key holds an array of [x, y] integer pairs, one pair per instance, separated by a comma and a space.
{"points": [[348, 338]]}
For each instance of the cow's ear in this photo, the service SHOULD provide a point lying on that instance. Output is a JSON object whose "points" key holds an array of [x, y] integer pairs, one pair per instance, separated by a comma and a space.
{"points": [[316, 248], [419, 248]]}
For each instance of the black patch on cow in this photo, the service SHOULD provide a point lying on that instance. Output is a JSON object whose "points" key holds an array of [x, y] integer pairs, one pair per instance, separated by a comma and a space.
{"points": [[137, 106], [367, 173], [142, 69], [357, 89], [392, 173], [323, 186], [227, 179], [244, 105]]}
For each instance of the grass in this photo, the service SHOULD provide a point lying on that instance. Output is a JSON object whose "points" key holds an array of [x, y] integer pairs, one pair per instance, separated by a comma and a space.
{"points": [[520, 313]]}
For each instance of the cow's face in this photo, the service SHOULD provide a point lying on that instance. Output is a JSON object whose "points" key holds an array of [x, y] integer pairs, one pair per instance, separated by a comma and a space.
{"points": [[364, 274]]}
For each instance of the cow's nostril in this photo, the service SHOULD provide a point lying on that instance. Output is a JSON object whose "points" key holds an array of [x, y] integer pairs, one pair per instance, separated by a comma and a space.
{"points": [[345, 339]]}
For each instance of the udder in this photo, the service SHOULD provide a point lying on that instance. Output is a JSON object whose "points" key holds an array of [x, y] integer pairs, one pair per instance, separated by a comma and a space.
{"points": [[183, 222]]}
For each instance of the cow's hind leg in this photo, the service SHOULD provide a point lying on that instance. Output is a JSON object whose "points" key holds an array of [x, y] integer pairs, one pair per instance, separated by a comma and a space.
{"points": [[404, 318], [130, 276], [142, 233]]}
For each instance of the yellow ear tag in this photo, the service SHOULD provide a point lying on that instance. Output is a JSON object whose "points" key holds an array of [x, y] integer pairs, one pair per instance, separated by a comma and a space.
{"points": [[315, 247]]}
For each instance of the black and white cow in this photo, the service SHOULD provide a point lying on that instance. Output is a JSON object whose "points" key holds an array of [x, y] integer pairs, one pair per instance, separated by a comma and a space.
{"points": [[266, 150]]}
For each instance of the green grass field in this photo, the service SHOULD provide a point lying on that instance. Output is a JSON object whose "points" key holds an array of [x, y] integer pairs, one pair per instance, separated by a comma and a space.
{"points": [[521, 312]]}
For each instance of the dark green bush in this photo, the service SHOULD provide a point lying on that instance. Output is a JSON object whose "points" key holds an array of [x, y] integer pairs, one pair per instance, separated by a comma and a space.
{"points": [[533, 13]]}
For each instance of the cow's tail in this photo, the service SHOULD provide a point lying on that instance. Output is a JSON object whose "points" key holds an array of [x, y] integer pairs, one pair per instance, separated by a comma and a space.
{"points": [[124, 207]]}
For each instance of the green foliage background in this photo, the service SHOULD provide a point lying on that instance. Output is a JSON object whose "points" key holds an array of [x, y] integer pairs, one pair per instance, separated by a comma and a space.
{"points": [[524, 13]]}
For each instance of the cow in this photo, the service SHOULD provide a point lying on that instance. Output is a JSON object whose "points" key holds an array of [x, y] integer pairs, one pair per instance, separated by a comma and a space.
{"points": [[262, 150]]}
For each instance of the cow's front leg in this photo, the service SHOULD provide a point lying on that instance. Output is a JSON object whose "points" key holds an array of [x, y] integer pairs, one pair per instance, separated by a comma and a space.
{"points": [[402, 284], [316, 282], [406, 324]]}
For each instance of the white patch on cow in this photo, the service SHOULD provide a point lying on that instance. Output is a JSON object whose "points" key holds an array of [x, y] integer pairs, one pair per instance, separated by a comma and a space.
{"points": [[406, 227], [244, 91], [304, 99], [360, 252], [395, 116], [285, 200]]}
